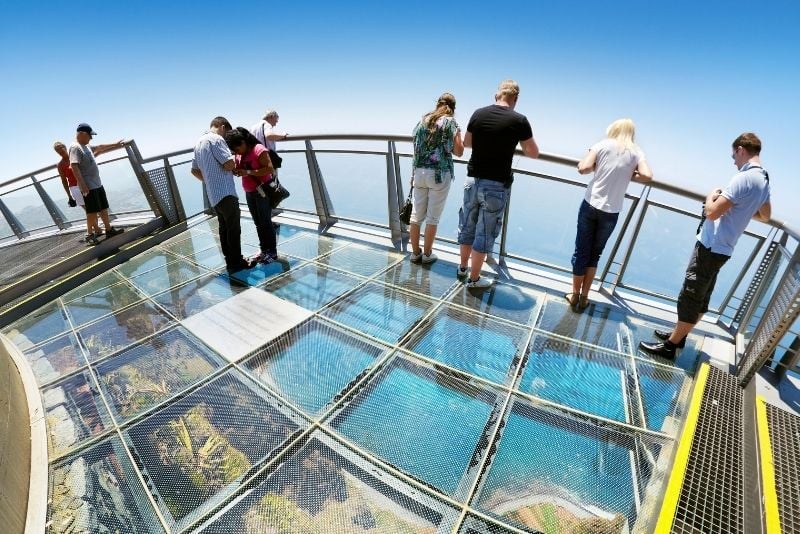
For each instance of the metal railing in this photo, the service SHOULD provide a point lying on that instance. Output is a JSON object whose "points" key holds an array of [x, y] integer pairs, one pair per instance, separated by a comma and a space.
{"points": [[770, 259]]}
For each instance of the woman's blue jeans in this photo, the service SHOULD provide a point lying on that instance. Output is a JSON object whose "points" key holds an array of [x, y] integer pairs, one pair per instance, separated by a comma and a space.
{"points": [[594, 228]]}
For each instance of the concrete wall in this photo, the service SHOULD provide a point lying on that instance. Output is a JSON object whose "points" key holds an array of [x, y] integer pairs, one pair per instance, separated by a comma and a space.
{"points": [[15, 447], [23, 483]]}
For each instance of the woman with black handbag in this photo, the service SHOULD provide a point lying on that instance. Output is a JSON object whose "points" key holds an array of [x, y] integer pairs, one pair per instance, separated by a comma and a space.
{"points": [[437, 138], [254, 166]]}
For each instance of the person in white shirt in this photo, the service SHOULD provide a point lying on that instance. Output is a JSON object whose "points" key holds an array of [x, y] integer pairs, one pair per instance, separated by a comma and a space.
{"points": [[615, 161], [265, 131]]}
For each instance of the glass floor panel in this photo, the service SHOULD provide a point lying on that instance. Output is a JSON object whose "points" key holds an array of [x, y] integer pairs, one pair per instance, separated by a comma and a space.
{"points": [[99, 282], [664, 394], [507, 301], [432, 280], [121, 329], [475, 344], [92, 306], [312, 363], [97, 490], [687, 358], [186, 300], [170, 275], [46, 322], [475, 525], [213, 259], [553, 473], [261, 274], [361, 259], [309, 246], [599, 325], [149, 373], [144, 262], [421, 421], [54, 359], [344, 494], [383, 312], [74, 412], [197, 450], [193, 244], [579, 377], [312, 286]]}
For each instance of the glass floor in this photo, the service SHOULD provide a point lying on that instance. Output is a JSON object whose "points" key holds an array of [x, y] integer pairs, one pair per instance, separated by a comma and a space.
{"points": [[402, 403]]}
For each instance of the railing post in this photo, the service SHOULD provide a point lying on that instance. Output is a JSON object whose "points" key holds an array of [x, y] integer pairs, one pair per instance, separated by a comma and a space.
{"points": [[393, 187], [503, 230], [637, 227], [620, 238], [322, 200], [55, 213], [174, 191], [135, 159], [13, 222]]}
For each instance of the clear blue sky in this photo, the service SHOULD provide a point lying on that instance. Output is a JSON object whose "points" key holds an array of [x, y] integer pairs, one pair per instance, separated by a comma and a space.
{"points": [[692, 75]]}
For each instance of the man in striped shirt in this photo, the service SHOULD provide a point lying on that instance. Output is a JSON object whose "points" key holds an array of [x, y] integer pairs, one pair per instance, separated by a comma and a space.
{"points": [[213, 164]]}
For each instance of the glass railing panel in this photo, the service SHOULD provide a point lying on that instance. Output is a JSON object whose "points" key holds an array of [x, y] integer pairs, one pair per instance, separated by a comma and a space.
{"points": [[5, 229], [356, 185], [189, 187], [26, 204], [293, 175], [52, 186], [122, 187]]}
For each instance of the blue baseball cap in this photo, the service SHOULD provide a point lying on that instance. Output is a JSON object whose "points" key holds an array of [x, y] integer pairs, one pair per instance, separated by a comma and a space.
{"points": [[83, 127]]}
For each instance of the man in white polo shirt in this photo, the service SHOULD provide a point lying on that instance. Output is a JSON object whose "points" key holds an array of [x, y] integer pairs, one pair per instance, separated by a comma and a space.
{"points": [[727, 214], [213, 164]]}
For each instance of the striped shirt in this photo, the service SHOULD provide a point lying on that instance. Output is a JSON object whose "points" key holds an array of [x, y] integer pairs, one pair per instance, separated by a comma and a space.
{"points": [[210, 153]]}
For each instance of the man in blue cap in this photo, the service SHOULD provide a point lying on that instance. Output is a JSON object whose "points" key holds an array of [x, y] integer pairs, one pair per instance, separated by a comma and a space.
{"points": [[87, 175]]}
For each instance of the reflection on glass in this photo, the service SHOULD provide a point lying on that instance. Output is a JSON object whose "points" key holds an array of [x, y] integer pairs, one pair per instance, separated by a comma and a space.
{"points": [[55, 358], [95, 305], [74, 412], [121, 329], [44, 323], [312, 286], [308, 246], [508, 301], [360, 259], [170, 275], [198, 295], [423, 422], [432, 280]]}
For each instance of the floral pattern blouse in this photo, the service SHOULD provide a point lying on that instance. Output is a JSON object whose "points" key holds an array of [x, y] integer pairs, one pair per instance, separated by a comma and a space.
{"points": [[434, 149]]}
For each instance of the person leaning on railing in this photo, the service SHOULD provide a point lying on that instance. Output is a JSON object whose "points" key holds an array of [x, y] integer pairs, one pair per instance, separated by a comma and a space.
{"points": [[615, 161], [493, 133], [436, 138], [727, 212], [265, 132]]}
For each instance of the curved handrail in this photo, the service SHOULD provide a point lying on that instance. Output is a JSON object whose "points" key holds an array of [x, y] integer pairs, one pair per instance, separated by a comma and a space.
{"points": [[544, 156]]}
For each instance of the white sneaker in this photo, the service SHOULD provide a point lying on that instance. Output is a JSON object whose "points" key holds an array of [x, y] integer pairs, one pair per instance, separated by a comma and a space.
{"points": [[429, 258], [462, 272], [480, 283], [415, 257]]}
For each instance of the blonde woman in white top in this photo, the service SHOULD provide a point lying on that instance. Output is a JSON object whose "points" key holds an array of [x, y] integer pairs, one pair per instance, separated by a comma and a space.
{"points": [[615, 161]]}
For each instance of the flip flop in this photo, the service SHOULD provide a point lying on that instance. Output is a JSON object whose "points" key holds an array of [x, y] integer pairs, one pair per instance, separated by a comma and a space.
{"points": [[583, 303], [573, 304]]}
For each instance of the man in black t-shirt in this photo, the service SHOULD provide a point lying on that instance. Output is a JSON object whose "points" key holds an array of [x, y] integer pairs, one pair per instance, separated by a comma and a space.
{"points": [[493, 133]]}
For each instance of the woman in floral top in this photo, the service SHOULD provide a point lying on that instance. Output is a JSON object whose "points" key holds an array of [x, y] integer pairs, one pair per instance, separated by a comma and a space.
{"points": [[436, 138]]}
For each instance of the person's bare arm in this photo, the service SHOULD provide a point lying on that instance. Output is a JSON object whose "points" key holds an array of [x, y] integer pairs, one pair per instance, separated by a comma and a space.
{"points": [[458, 145], [265, 167], [764, 213], [468, 139], [642, 174], [529, 148], [586, 165], [76, 170], [197, 173], [229, 165], [102, 149], [277, 136], [64, 182], [716, 205]]}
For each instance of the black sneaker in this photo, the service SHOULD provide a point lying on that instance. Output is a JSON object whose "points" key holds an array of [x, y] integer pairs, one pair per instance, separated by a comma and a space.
{"points": [[91, 240], [243, 264], [664, 350], [111, 231], [663, 336]]}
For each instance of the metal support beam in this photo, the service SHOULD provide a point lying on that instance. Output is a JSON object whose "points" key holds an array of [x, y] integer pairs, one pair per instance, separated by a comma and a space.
{"points": [[620, 238], [637, 227], [12, 220], [54, 211], [174, 191], [322, 200], [394, 191]]}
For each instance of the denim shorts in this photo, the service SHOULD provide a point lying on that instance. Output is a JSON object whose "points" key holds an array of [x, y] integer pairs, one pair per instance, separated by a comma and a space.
{"points": [[480, 218], [594, 228]]}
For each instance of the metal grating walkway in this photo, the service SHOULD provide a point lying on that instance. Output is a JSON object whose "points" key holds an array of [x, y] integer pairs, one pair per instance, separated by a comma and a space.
{"points": [[706, 490], [784, 441]]}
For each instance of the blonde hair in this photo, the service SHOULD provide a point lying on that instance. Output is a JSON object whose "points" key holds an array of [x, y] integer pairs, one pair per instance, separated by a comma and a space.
{"points": [[507, 88], [623, 132]]}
